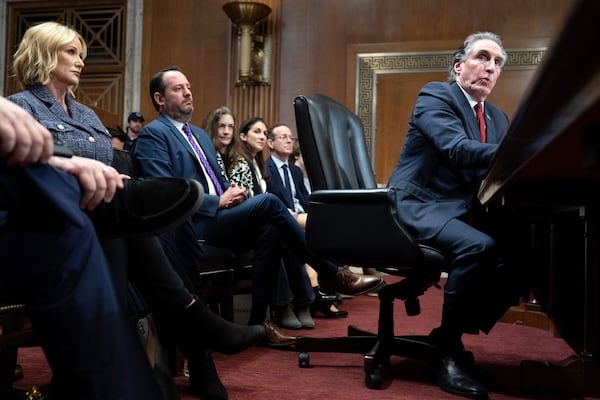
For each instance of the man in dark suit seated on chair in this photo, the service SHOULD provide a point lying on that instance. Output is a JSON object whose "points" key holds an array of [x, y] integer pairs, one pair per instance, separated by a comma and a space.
{"points": [[452, 136], [281, 142]]}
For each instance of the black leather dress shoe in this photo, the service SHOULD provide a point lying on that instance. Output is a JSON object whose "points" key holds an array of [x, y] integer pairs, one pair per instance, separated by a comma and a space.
{"points": [[326, 310], [147, 207], [347, 282], [452, 376], [275, 338], [323, 303]]}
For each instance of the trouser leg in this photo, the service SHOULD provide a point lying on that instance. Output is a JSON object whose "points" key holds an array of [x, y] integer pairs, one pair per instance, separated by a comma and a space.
{"points": [[299, 282], [471, 255], [283, 294], [151, 270], [54, 264], [265, 209], [90, 342]]}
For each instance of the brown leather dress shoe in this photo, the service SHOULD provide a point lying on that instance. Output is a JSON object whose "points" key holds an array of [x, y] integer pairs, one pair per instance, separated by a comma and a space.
{"points": [[347, 282], [274, 337]]}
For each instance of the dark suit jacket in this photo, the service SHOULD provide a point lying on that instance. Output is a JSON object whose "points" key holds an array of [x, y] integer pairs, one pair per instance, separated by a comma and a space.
{"points": [[275, 184], [443, 161], [163, 151]]}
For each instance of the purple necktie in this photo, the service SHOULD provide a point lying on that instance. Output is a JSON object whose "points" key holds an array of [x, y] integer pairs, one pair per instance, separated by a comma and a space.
{"points": [[203, 160]]}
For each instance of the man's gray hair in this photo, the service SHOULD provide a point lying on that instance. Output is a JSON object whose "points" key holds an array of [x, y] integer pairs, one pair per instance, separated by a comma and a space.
{"points": [[461, 53]]}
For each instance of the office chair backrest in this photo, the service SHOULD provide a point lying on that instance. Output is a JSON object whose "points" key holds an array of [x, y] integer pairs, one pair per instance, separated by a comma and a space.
{"points": [[335, 154], [350, 221]]}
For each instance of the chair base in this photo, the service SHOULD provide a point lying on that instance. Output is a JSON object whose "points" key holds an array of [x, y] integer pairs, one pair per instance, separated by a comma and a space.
{"points": [[378, 347], [377, 351]]}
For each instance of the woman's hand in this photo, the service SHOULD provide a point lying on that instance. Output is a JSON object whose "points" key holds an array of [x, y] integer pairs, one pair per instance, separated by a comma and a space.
{"points": [[98, 181], [232, 196]]}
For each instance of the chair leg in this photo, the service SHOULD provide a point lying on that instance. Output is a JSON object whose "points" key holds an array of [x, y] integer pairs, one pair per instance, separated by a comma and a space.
{"points": [[380, 354], [386, 319]]}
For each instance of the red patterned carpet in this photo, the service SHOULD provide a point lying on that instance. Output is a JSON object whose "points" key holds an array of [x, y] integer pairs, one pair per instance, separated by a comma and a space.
{"points": [[262, 373]]}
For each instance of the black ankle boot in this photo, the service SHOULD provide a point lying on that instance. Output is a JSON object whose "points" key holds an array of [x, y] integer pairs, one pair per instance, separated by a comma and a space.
{"points": [[199, 325], [204, 379]]}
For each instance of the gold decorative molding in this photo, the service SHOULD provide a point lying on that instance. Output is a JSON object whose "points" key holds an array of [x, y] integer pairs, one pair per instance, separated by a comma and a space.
{"points": [[370, 65]]}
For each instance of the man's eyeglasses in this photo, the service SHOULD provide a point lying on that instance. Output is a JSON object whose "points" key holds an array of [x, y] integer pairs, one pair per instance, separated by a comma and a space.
{"points": [[285, 138]]}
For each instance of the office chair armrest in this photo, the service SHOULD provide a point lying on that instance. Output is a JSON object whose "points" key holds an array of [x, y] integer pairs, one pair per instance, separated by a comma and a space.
{"points": [[351, 196], [362, 228]]}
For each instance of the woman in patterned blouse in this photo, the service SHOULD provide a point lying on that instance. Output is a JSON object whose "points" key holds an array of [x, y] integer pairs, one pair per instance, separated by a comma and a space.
{"points": [[245, 163]]}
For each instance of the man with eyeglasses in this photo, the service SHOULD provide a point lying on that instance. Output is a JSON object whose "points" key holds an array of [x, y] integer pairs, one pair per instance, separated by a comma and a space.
{"points": [[287, 185], [286, 182]]}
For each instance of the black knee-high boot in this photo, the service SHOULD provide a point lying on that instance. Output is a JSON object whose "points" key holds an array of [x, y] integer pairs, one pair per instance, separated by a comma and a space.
{"points": [[198, 324], [204, 379]]}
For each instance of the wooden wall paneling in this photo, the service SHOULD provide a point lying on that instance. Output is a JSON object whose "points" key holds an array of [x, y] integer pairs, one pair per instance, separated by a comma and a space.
{"points": [[313, 41], [194, 36], [395, 98]]}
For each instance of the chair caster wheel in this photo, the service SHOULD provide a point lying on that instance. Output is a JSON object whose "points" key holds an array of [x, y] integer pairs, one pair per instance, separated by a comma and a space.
{"points": [[373, 380], [303, 360]]}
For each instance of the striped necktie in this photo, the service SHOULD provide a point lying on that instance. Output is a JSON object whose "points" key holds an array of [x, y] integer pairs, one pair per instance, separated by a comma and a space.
{"points": [[203, 160]]}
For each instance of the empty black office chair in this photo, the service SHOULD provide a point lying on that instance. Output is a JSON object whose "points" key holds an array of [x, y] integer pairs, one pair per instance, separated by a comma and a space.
{"points": [[352, 222]]}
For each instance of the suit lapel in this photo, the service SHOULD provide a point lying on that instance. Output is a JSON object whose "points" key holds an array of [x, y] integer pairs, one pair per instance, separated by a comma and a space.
{"points": [[277, 185], [296, 176], [469, 117], [492, 133], [275, 172], [179, 138]]}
